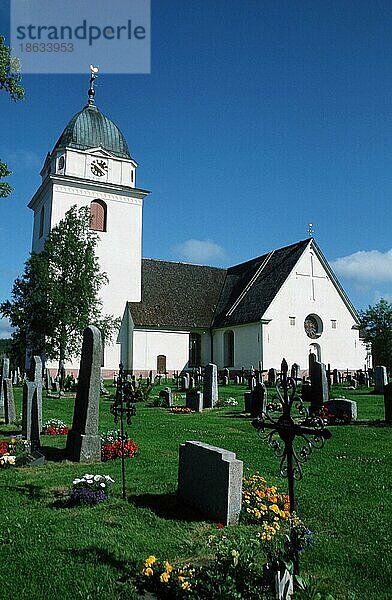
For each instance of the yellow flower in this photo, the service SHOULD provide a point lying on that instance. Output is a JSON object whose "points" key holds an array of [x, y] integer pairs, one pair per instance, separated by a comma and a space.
{"points": [[149, 561], [185, 585], [181, 578], [148, 572], [165, 577], [167, 566]]}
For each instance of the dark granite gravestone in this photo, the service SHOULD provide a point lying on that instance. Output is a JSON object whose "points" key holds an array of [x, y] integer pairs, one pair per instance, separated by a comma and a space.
{"points": [[248, 401], [9, 403], [210, 480], [194, 400], [35, 375], [272, 376], [388, 403], [380, 379], [295, 371], [259, 399], [344, 410], [5, 373], [312, 359], [83, 441], [335, 378], [30, 420], [167, 396], [210, 386], [320, 390]]}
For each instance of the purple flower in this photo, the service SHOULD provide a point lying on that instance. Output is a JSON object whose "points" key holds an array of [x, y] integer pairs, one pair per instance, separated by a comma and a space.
{"points": [[81, 495]]}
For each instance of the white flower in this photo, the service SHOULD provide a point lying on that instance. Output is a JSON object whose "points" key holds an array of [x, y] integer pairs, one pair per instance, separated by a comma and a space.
{"points": [[89, 481], [75, 481], [102, 484], [108, 478], [97, 477]]}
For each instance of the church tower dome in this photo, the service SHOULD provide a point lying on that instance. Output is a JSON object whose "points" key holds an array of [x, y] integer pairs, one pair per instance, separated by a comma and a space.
{"points": [[89, 128]]}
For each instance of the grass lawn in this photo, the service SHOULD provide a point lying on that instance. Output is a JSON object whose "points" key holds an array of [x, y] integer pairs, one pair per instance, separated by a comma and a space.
{"points": [[51, 552]]}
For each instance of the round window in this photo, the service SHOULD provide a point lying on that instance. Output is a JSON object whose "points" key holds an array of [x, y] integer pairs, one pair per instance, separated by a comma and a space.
{"points": [[313, 326]]}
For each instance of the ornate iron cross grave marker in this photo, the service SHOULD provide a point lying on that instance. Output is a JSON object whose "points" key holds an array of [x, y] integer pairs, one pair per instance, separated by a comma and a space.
{"points": [[123, 405], [292, 436]]}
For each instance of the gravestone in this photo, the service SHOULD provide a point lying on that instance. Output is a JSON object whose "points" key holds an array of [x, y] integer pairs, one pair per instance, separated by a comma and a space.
{"points": [[210, 386], [167, 396], [271, 376], [191, 382], [248, 401], [319, 383], [306, 391], [237, 380], [259, 401], [194, 400], [388, 403], [9, 403], [5, 373], [30, 421], [335, 378], [295, 371], [36, 376], [380, 379], [311, 360], [83, 441], [343, 409], [225, 380], [210, 480], [61, 375]]}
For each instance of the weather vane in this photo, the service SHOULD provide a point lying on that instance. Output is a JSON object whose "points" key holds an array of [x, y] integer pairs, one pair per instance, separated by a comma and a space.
{"points": [[310, 230], [91, 91]]}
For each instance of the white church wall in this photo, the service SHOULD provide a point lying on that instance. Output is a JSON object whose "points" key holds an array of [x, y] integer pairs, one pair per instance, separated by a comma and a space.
{"points": [[147, 345], [124, 224], [247, 349], [300, 296]]}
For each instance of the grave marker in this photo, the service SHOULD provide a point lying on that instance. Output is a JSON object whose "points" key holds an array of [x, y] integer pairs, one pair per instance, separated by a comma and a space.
{"points": [[9, 403], [83, 441], [210, 386], [210, 480]]}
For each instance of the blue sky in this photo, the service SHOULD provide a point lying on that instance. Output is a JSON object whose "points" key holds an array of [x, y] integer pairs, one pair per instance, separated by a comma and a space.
{"points": [[258, 118]]}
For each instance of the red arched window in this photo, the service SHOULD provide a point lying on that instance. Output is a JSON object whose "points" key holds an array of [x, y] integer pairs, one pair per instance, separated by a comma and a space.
{"points": [[98, 215]]}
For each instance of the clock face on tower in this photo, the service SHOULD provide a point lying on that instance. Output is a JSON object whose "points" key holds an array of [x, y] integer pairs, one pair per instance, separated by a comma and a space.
{"points": [[99, 167]]}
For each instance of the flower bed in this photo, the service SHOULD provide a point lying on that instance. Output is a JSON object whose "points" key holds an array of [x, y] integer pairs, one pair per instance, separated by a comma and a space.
{"points": [[55, 427], [111, 446], [13, 452], [90, 489], [181, 410]]}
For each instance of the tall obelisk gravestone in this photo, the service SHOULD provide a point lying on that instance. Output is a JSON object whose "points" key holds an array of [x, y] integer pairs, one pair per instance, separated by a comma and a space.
{"points": [[83, 442]]}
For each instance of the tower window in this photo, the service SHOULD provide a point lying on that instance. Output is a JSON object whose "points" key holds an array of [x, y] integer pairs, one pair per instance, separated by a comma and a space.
{"points": [[132, 175], [292, 321], [194, 349], [98, 212], [333, 323], [41, 222]]}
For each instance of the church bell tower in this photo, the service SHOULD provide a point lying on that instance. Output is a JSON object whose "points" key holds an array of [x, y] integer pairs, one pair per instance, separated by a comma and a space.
{"points": [[91, 165]]}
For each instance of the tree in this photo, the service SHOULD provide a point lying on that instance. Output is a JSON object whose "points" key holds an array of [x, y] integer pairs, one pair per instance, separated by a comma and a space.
{"points": [[57, 296], [10, 82], [376, 323]]}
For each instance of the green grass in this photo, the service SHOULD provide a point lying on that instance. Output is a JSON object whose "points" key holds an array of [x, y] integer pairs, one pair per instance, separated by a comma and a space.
{"points": [[50, 552]]}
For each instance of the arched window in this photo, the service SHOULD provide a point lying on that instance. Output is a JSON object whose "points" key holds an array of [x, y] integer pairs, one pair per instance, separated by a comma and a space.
{"points": [[98, 215], [41, 222], [194, 349], [228, 341]]}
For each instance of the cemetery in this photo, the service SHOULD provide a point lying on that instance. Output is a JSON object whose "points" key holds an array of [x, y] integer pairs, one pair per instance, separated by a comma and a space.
{"points": [[199, 506]]}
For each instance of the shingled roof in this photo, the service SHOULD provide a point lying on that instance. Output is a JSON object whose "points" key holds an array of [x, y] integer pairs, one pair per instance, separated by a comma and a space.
{"points": [[251, 286], [177, 295]]}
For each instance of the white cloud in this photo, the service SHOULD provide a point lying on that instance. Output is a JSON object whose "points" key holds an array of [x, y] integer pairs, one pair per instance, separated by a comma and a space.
{"points": [[5, 328], [365, 267], [199, 251], [18, 158]]}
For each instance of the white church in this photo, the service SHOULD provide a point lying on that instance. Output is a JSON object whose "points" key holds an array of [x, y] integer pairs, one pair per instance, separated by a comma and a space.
{"points": [[176, 316]]}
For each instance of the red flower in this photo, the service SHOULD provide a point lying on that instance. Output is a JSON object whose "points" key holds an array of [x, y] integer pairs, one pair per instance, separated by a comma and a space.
{"points": [[220, 526]]}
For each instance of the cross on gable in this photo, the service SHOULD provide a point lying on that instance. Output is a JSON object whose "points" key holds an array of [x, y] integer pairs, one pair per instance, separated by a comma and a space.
{"points": [[312, 277]]}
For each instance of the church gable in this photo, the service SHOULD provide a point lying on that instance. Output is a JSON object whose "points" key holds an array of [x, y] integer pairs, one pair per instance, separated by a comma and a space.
{"points": [[177, 295], [250, 287]]}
